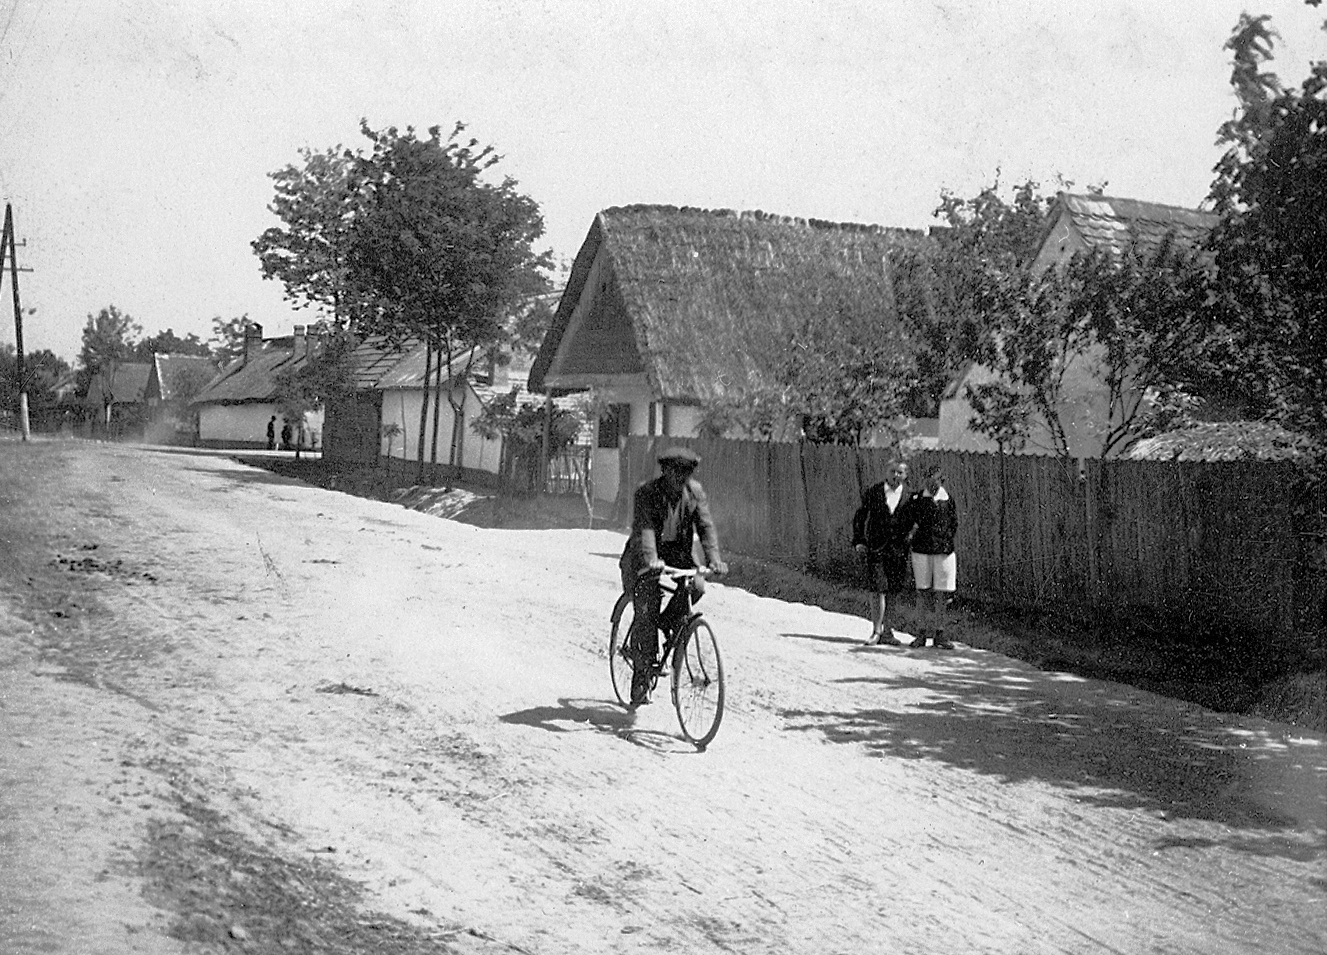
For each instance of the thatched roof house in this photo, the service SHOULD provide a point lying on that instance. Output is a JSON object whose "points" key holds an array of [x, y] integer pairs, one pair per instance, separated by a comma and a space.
{"points": [[124, 384], [177, 378], [235, 407], [693, 303]]}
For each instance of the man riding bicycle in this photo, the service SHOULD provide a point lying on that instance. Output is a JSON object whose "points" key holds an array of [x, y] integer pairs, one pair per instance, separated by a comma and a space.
{"points": [[666, 514]]}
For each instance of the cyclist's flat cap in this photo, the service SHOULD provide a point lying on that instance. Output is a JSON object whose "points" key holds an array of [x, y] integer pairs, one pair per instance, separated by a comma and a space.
{"points": [[679, 455]]}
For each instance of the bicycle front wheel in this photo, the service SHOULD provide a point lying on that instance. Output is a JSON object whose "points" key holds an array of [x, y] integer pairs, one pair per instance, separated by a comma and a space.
{"points": [[620, 661], [698, 683]]}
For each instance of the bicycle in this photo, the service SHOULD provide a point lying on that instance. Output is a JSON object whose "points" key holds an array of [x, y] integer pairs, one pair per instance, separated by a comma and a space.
{"points": [[689, 649]]}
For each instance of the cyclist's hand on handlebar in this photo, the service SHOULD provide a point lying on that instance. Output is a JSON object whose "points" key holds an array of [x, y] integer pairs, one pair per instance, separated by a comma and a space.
{"points": [[718, 568], [655, 566]]}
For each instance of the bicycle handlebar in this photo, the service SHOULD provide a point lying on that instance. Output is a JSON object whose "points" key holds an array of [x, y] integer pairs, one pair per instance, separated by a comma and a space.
{"points": [[676, 573]]}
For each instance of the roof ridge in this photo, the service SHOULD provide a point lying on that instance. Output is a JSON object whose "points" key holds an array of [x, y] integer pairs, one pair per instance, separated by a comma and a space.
{"points": [[1138, 203], [760, 215]]}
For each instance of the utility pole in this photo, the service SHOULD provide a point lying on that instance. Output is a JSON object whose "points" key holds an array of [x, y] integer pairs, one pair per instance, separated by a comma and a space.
{"points": [[7, 242]]}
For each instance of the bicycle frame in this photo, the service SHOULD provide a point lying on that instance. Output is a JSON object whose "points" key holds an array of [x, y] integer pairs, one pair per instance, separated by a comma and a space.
{"points": [[688, 652], [671, 580]]}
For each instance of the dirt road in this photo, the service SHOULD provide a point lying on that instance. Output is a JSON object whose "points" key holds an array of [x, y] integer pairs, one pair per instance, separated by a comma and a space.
{"points": [[238, 713]]}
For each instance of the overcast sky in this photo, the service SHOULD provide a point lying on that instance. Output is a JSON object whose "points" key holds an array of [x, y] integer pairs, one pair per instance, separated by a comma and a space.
{"points": [[136, 136]]}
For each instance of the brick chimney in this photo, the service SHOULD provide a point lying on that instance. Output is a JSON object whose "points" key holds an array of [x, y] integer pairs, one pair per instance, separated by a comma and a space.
{"points": [[301, 348], [253, 339]]}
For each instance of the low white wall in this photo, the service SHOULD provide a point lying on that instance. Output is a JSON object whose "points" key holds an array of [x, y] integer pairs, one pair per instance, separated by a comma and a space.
{"points": [[247, 424]]}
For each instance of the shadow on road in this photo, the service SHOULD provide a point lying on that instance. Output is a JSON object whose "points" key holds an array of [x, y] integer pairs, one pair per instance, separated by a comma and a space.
{"points": [[666, 744], [1112, 747], [575, 716], [583, 714], [250, 476], [822, 638]]}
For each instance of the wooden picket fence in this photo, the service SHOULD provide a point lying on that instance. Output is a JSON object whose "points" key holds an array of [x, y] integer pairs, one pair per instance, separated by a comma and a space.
{"points": [[1212, 543]]}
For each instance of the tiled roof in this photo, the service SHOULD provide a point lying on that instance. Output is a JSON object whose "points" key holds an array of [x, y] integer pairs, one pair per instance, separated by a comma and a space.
{"points": [[1106, 222], [408, 372], [375, 357]]}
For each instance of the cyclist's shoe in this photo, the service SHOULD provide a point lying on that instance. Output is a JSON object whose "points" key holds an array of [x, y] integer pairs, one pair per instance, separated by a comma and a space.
{"points": [[942, 644], [640, 687]]}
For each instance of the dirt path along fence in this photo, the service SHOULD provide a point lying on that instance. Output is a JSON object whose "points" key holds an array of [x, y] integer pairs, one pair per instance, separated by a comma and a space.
{"points": [[1225, 545]]}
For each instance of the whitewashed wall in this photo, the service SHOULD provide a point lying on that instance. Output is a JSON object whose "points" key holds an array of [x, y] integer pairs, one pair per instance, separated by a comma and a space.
{"points": [[401, 406], [246, 424]]}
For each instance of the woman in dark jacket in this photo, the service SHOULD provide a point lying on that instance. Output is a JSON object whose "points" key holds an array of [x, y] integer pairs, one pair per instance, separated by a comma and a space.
{"points": [[932, 520]]}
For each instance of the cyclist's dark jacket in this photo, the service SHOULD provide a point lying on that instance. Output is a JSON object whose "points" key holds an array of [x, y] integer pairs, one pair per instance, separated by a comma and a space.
{"points": [[936, 522], [665, 529]]}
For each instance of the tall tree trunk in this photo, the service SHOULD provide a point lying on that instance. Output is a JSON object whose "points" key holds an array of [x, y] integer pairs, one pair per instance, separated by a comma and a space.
{"points": [[424, 410], [458, 429], [437, 402]]}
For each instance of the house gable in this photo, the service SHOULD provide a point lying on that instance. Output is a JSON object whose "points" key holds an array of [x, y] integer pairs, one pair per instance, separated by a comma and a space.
{"points": [[599, 342], [1079, 222], [1061, 240]]}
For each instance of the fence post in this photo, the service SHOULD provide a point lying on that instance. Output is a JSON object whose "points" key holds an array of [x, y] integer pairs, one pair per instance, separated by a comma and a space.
{"points": [[1004, 482], [1090, 505]]}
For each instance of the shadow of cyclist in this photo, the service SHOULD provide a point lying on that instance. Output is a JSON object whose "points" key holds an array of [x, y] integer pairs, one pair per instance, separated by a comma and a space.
{"points": [[571, 716]]}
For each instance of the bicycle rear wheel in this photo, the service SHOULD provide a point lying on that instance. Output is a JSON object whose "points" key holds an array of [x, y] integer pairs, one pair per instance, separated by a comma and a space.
{"points": [[697, 683], [620, 662]]}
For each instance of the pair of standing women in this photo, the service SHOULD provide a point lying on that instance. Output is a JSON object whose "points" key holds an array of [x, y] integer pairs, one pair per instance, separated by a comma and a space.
{"points": [[902, 535]]}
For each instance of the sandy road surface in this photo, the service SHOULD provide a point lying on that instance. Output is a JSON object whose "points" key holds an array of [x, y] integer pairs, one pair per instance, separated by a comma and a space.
{"points": [[228, 700]]}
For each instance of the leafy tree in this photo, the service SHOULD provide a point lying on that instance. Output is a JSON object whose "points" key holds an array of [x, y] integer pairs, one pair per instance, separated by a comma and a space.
{"points": [[43, 371], [227, 341], [1136, 321], [441, 254], [833, 387], [521, 428], [324, 377], [108, 342], [949, 288], [317, 204], [1271, 244], [530, 323], [168, 343]]}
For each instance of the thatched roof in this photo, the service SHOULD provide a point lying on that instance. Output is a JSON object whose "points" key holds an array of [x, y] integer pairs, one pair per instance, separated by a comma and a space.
{"points": [[1109, 223], [127, 386], [702, 302], [251, 379], [171, 375], [1224, 441]]}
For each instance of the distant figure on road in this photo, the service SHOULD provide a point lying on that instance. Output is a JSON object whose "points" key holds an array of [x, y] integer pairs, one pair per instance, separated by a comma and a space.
{"points": [[878, 536], [931, 520], [271, 433], [666, 514], [286, 431]]}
